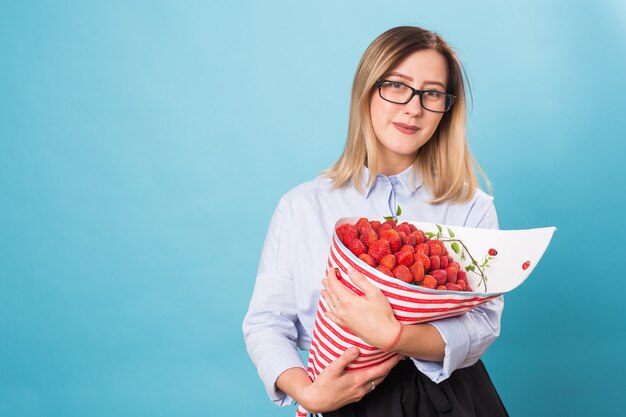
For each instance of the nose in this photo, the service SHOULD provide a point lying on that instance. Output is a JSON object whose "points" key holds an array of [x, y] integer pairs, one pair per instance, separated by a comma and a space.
{"points": [[414, 106]]}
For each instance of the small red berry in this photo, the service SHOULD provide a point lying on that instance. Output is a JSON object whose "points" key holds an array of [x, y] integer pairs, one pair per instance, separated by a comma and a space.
{"points": [[429, 281], [388, 261], [368, 260], [443, 262], [440, 275], [525, 265], [378, 249], [362, 225], [357, 247], [404, 257], [385, 271], [492, 252], [434, 262], [403, 274], [417, 269]]}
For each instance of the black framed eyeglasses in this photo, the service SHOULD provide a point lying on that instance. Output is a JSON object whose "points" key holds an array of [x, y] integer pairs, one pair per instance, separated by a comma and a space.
{"points": [[400, 93]]}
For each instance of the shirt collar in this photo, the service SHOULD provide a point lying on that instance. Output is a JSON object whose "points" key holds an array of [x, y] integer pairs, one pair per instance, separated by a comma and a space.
{"points": [[409, 178]]}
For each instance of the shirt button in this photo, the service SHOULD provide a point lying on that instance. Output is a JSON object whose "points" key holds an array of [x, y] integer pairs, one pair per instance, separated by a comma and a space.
{"points": [[394, 180]]}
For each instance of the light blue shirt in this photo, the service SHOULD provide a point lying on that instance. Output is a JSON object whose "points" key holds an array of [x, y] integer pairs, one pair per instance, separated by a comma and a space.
{"points": [[282, 310]]}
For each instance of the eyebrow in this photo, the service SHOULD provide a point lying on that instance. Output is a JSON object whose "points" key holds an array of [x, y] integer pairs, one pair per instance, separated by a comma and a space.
{"points": [[406, 77]]}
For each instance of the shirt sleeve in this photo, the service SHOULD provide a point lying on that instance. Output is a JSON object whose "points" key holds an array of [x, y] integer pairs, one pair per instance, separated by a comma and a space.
{"points": [[270, 325], [467, 336]]}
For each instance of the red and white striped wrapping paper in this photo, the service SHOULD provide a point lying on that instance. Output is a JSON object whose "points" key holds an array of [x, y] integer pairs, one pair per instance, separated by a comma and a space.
{"points": [[410, 303]]}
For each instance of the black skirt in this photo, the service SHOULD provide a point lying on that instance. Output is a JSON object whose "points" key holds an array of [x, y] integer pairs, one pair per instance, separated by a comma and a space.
{"points": [[406, 392]]}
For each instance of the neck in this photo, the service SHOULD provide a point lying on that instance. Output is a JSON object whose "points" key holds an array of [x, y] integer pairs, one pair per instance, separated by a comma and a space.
{"points": [[393, 164]]}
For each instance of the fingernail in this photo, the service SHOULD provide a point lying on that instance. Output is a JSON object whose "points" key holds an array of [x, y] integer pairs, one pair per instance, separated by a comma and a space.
{"points": [[353, 351]]}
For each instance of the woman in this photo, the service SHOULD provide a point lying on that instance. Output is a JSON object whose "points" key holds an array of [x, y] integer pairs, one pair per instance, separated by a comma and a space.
{"points": [[406, 147]]}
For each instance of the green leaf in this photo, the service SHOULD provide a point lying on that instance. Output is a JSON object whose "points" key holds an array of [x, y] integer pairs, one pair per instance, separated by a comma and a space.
{"points": [[470, 268], [398, 211], [450, 233], [388, 217], [463, 255], [439, 227], [474, 262], [429, 235], [455, 247]]}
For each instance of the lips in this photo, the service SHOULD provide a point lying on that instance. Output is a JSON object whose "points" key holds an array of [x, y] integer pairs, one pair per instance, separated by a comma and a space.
{"points": [[406, 129]]}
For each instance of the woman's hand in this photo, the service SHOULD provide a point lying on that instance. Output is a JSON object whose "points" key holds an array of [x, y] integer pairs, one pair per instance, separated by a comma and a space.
{"points": [[369, 315], [334, 387]]}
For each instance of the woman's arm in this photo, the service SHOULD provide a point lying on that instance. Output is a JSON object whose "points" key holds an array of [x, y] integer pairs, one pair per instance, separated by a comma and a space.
{"points": [[271, 333]]}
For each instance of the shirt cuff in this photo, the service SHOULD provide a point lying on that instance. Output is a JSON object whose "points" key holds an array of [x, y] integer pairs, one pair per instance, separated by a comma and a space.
{"points": [[281, 360], [454, 335]]}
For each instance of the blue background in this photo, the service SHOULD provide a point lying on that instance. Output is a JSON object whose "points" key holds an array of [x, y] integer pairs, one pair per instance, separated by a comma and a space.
{"points": [[144, 146]]}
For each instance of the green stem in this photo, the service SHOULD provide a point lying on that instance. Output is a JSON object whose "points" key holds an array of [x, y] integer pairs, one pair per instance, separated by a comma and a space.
{"points": [[483, 277]]}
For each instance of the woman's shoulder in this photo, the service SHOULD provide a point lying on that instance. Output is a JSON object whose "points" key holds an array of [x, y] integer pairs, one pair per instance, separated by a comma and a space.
{"points": [[308, 189], [306, 194]]}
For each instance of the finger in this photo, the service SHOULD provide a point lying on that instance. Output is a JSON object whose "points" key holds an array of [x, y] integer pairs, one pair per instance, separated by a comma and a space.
{"points": [[334, 318], [339, 364], [337, 288], [327, 297], [360, 281]]}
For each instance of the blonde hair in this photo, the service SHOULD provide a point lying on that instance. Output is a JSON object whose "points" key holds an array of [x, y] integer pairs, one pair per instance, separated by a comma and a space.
{"points": [[444, 163]]}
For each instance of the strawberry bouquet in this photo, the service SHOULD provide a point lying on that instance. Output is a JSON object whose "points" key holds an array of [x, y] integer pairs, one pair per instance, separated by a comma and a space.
{"points": [[427, 272]]}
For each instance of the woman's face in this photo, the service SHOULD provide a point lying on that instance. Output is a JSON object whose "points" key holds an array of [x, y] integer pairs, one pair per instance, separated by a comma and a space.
{"points": [[401, 129]]}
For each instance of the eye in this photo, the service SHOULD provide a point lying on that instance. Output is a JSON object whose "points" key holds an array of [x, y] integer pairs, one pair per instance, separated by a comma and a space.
{"points": [[433, 93], [396, 85]]}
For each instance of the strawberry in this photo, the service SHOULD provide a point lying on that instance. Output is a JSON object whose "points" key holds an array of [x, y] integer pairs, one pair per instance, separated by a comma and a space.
{"points": [[375, 225], [461, 283], [443, 262], [388, 261], [378, 249], [404, 257], [420, 237], [385, 271], [434, 263], [453, 287], [455, 264], [429, 281], [422, 247], [368, 236], [440, 275], [387, 225], [407, 248], [362, 225], [347, 233], [461, 275], [412, 227], [434, 247], [409, 239], [424, 259], [404, 228], [417, 269], [357, 247], [393, 238], [441, 287], [367, 258], [452, 274], [402, 237], [403, 274]]}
